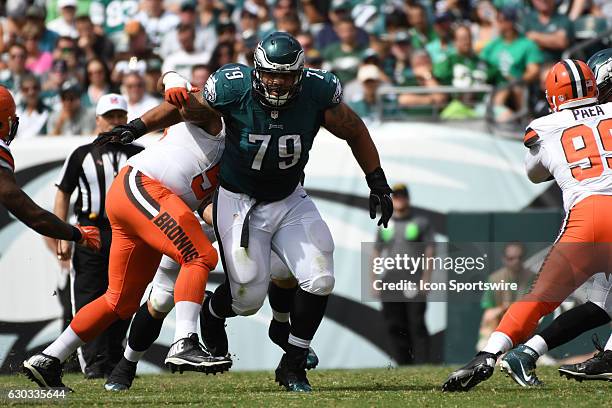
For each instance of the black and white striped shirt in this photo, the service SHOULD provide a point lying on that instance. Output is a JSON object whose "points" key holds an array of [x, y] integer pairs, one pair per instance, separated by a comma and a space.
{"points": [[91, 170]]}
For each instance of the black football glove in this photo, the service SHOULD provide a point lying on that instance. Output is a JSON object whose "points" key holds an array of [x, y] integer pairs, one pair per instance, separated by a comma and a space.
{"points": [[380, 195], [124, 134]]}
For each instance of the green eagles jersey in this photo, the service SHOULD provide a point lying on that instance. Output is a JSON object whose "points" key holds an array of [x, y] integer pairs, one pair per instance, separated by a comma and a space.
{"points": [[266, 149]]}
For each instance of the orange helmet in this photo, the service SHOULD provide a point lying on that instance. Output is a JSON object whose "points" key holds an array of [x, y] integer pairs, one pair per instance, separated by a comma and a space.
{"points": [[8, 119], [570, 83]]}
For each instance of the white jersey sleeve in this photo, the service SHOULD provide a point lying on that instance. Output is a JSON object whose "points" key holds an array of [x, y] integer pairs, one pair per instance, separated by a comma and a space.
{"points": [[185, 160], [574, 147], [6, 158]]}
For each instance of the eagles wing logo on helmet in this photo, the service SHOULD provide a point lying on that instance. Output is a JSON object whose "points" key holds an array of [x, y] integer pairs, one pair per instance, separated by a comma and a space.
{"points": [[278, 54], [601, 65]]}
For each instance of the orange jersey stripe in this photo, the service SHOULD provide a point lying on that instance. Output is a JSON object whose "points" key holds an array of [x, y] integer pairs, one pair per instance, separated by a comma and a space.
{"points": [[7, 157], [530, 137]]}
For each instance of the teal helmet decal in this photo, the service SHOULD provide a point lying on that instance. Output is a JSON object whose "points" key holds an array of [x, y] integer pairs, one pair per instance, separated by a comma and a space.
{"points": [[278, 54]]}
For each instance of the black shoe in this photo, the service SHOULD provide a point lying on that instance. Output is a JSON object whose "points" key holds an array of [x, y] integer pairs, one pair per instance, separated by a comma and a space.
{"points": [[188, 354], [93, 373], [214, 336], [291, 373], [476, 371], [122, 376], [44, 370], [598, 367]]}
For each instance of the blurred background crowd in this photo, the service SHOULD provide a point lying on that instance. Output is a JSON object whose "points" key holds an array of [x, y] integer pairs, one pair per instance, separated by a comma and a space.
{"points": [[448, 59]]}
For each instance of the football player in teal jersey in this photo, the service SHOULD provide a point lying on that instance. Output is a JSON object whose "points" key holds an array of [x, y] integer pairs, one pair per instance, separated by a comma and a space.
{"points": [[271, 114]]}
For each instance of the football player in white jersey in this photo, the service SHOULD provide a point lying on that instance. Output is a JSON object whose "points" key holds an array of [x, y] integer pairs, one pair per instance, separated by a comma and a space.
{"points": [[151, 208], [573, 146], [520, 362]]}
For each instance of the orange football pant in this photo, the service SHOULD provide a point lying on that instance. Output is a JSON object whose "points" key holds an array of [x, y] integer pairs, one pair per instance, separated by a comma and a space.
{"points": [[147, 220], [582, 249]]}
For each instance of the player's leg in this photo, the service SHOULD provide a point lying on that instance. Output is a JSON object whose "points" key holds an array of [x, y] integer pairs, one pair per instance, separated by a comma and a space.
{"points": [[247, 271], [146, 325], [281, 293], [599, 367], [304, 243], [570, 262]]}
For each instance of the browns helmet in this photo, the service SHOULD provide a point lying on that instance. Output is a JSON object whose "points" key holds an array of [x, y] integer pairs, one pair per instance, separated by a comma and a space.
{"points": [[570, 83], [8, 119]]}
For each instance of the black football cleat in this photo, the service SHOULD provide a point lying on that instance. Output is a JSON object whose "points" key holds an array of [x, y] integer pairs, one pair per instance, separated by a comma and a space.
{"points": [[598, 367], [188, 354], [44, 370], [214, 336], [291, 373], [278, 332], [122, 376], [476, 371]]}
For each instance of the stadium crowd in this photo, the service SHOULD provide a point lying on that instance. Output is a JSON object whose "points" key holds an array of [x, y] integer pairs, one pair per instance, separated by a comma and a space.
{"points": [[60, 56]]}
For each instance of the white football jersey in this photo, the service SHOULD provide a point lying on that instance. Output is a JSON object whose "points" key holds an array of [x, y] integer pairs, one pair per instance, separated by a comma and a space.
{"points": [[186, 160], [6, 158], [575, 147]]}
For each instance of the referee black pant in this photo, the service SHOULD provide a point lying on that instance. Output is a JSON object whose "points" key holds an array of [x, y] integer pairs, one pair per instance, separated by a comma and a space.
{"points": [[89, 283]]}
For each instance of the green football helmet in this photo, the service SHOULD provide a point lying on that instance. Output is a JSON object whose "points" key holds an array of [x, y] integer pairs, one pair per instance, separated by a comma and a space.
{"points": [[601, 65], [278, 54]]}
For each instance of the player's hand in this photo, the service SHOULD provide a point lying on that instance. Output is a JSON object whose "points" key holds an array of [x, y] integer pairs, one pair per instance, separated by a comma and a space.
{"points": [[380, 196], [63, 250], [90, 237], [176, 89], [124, 134]]}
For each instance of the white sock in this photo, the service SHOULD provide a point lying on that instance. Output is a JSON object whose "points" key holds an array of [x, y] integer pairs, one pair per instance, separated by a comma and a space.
{"points": [[280, 317], [64, 345], [298, 342], [132, 355], [187, 314], [538, 344], [608, 344], [498, 343]]}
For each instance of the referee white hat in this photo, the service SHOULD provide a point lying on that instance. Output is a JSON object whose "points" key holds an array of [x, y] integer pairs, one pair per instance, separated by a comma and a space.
{"points": [[110, 102]]}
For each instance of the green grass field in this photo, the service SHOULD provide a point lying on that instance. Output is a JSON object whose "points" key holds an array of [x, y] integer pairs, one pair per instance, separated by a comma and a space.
{"points": [[407, 387]]}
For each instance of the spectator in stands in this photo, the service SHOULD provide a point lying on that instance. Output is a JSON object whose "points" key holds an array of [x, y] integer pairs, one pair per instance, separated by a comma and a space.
{"points": [[10, 77], [343, 57], [538, 104], [10, 28], [484, 26], [205, 35], [464, 68], [366, 103], [156, 20], [495, 303], [339, 10], [421, 32], [32, 112], [391, 54], [97, 81], [65, 25], [186, 56], [306, 40], [110, 18], [138, 53], [404, 312], [53, 84], [152, 73], [422, 68], [249, 28], [551, 31], [223, 54], [200, 74], [72, 119], [209, 14], [440, 48], [38, 62], [603, 8], [133, 89], [92, 44], [36, 15], [226, 32], [289, 23], [67, 50], [516, 57]]}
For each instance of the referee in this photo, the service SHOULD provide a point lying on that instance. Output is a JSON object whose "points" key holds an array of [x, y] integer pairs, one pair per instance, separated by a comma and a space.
{"points": [[90, 170]]}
